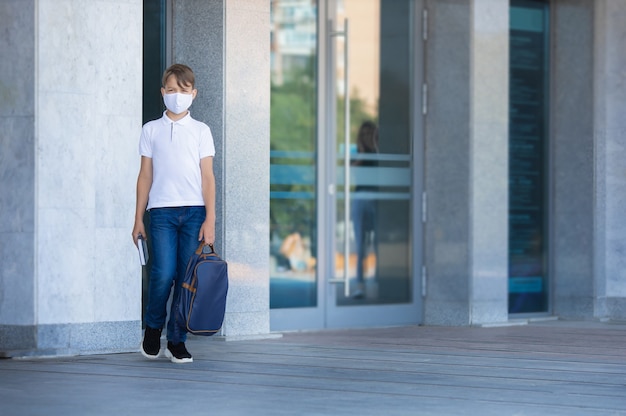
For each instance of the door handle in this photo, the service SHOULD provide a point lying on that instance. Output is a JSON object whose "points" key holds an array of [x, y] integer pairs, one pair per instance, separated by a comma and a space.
{"points": [[346, 158]]}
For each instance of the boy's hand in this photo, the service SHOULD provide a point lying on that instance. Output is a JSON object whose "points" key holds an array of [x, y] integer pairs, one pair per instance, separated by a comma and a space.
{"points": [[207, 233], [138, 229]]}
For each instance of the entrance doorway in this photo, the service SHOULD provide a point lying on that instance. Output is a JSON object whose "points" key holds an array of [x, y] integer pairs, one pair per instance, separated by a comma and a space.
{"points": [[345, 197]]}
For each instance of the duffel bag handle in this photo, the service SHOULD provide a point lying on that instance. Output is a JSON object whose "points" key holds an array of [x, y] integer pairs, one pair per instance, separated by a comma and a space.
{"points": [[204, 248]]}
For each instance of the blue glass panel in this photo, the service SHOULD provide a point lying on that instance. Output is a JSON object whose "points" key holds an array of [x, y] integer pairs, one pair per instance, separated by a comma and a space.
{"points": [[528, 156], [293, 129]]}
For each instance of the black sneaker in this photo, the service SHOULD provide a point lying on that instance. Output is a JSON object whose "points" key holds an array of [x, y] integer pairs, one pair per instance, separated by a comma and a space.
{"points": [[177, 353], [151, 345]]}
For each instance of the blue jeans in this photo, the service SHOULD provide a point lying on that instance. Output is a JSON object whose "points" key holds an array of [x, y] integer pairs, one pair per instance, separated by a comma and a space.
{"points": [[174, 234], [363, 213]]}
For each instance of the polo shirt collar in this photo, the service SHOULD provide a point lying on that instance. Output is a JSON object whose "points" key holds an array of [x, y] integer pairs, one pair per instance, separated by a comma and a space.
{"points": [[183, 120]]}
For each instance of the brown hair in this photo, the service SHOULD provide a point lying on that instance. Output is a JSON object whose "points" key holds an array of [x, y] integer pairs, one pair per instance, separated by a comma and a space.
{"points": [[367, 140], [183, 74]]}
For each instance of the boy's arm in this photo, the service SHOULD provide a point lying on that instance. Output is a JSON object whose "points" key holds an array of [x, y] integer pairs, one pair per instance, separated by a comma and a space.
{"points": [[144, 183], [207, 231]]}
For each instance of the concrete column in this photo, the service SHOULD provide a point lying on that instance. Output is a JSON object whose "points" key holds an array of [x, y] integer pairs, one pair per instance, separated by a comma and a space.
{"points": [[17, 175], [227, 45], [467, 162], [489, 161], [609, 82], [71, 105], [572, 150]]}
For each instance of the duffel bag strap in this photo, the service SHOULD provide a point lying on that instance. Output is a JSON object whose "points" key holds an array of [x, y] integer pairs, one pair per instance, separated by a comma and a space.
{"points": [[204, 248]]}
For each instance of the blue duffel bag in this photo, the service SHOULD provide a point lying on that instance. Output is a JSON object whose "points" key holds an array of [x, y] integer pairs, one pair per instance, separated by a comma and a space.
{"points": [[202, 300]]}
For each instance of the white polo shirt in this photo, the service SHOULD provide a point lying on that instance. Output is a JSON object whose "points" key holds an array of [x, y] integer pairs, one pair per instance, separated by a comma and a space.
{"points": [[176, 148]]}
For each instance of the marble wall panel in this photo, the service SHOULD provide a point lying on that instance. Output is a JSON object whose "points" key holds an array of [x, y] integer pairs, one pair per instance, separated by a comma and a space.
{"points": [[116, 172], [489, 267], [489, 154], [89, 101], [447, 167], [17, 174], [116, 279], [610, 136], [17, 66], [246, 324], [65, 152], [17, 285], [466, 162], [66, 261], [572, 165], [17, 337], [89, 338], [246, 201], [17, 171], [234, 101]]}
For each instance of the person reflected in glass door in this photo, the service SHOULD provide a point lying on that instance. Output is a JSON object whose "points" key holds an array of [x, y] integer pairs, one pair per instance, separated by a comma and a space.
{"points": [[363, 209]]}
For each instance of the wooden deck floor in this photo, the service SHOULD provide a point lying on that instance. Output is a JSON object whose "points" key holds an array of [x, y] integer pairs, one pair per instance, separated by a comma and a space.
{"points": [[550, 368]]}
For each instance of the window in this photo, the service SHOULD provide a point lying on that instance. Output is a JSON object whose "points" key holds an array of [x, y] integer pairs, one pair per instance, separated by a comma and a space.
{"points": [[528, 156]]}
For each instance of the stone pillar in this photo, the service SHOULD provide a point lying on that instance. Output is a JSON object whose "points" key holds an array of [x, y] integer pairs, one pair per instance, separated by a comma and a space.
{"points": [[467, 162], [609, 86], [227, 45], [71, 112], [489, 161], [17, 176], [572, 150]]}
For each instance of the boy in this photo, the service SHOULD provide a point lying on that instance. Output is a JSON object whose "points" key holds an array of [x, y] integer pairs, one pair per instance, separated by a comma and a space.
{"points": [[177, 186]]}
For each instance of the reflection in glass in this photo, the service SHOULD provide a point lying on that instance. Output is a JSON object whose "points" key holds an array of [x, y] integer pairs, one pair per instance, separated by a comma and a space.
{"points": [[379, 261], [292, 166], [363, 213], [377, 228]]}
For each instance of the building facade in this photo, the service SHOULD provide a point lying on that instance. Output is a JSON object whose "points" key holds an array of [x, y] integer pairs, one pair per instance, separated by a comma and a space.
{"points": [[482, 141]]}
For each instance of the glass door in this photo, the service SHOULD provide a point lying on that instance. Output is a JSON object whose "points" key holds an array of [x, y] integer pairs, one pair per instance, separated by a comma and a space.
{"points": [[346, 224], [296, 300], [371, 121]]}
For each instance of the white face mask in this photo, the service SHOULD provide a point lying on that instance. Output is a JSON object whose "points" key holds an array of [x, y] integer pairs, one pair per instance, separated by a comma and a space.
{"points": [[177, 103]]}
